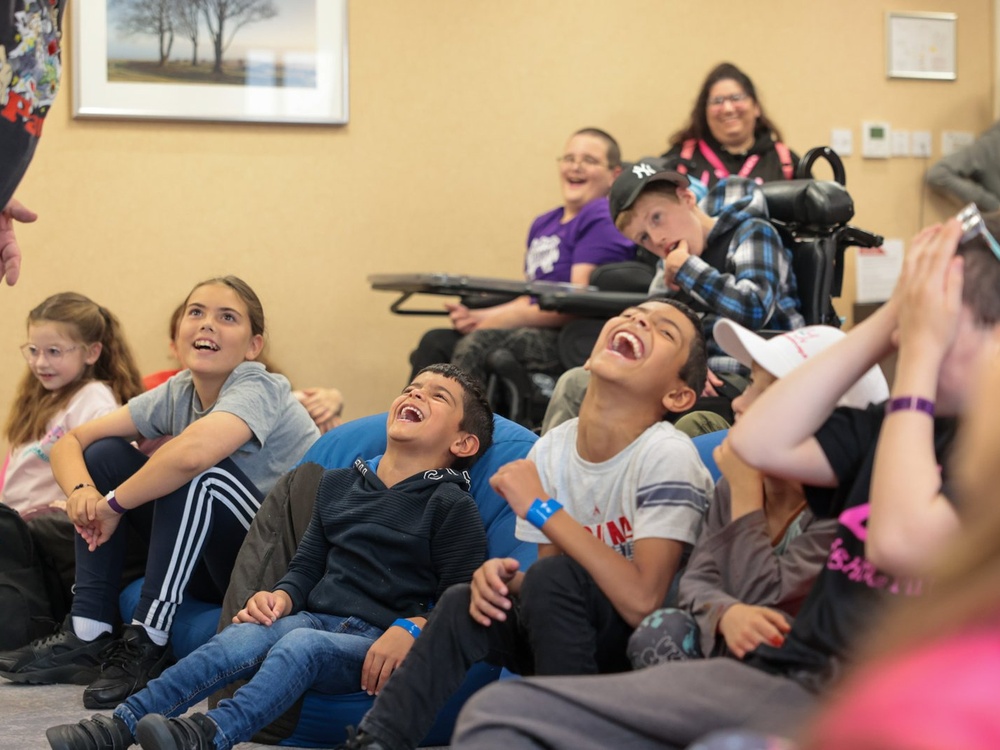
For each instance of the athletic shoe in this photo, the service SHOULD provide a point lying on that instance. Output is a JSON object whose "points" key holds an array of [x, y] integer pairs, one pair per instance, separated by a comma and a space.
{"points": [[130, 662], [98, 733], [59, 657], [194, 732]]}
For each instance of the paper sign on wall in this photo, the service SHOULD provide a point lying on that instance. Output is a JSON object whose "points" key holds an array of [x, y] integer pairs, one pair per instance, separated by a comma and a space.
{"points": [[877, 269]]}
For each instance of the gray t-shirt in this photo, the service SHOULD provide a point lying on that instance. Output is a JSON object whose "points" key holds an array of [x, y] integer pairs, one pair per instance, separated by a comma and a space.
{"points": [[282, 429]]}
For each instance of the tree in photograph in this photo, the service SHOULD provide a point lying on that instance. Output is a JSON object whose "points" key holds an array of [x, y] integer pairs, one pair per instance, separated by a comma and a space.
{"points": [[154, 17], [226, 17], [187, 17]]}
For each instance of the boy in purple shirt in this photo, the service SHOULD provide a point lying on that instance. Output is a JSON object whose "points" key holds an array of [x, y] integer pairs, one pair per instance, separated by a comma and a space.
{"points": [[565, 244]]}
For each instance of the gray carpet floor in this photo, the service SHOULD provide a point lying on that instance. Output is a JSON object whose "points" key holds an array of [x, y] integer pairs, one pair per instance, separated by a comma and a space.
{"points": [[26, 711]]}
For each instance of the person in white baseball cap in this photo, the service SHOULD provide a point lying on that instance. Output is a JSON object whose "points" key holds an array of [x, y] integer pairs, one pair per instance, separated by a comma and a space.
{"points": [[733, 595], [779, 355]]}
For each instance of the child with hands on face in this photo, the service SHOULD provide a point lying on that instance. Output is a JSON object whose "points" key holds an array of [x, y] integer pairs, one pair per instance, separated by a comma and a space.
{"points": [[761, 547], [796, 431]]}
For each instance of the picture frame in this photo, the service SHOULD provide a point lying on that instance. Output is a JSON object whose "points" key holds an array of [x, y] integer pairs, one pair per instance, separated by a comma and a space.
{"points": [[289, 64], [921, 45]]}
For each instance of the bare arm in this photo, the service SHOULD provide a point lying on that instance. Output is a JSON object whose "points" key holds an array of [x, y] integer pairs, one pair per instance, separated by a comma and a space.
{"points": [[777, 434], [518, 313], [203, 444], [635, 587], [910, 518]]}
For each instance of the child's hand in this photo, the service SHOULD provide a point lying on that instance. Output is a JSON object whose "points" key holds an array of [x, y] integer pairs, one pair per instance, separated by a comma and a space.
{"points": [[518, 483], [98, 530], [712, 381], [462, 318], [265, 607], [745, 627], [383, 657], [672, 263], [930, 290], [324, 405], [81, 505], [490, 598]]}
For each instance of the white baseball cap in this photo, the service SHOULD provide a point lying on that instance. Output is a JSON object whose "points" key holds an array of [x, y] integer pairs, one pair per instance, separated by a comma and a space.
{"points": [[782, 354]]}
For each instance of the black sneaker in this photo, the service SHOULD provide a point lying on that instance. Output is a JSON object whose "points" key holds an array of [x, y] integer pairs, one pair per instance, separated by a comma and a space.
{"points": [[358, 740], [59, 657], [131, 662], [98, 733], [194, 732]]}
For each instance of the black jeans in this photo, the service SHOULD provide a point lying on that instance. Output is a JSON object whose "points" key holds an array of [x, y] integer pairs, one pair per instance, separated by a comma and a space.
{"points": [[194, 534], [562, 624]]}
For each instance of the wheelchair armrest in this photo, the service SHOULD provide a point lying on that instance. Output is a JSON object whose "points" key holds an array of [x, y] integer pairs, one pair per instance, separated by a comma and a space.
{"points": [[846, 237], [853, 237], [590, 304]]}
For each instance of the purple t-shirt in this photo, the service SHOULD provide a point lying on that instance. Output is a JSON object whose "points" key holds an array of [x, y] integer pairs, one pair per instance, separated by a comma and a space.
{"points": [[589, 237]]}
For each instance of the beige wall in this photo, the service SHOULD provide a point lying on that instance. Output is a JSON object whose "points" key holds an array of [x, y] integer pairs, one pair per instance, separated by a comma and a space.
{"points": [[458, 108]]}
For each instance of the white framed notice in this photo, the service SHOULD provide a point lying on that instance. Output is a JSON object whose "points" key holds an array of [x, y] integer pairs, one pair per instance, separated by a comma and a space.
{"points": [[921, 45]]}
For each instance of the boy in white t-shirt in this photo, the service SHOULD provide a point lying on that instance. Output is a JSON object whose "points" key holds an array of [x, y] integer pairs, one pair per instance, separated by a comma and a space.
{"points": [[626, 496]]}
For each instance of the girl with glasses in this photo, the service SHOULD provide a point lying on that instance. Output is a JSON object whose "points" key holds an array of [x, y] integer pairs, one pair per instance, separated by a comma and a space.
{"points": [[79, 367]]}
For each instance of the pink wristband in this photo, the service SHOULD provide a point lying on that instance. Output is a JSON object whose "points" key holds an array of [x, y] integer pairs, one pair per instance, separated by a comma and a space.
{"points": [[110, 497], [910, 403]]}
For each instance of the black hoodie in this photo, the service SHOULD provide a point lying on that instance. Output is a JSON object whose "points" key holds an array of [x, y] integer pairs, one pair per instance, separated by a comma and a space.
{"points": [[380, 553]]}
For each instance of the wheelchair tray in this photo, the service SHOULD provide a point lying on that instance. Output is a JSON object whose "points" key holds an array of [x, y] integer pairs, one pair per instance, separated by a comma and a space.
{"points": [[408, 284], [590, 303]]}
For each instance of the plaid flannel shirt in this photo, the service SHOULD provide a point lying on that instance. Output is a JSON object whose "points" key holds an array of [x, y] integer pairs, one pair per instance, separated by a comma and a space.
{"points": [[756, 287]]}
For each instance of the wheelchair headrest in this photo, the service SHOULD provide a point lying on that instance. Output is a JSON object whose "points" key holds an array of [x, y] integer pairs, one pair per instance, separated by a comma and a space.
{"points": [[816, 203]]}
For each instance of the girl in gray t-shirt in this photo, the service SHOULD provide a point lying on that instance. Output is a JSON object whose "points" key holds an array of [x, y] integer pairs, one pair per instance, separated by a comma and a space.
{"points": [[236, 428]]}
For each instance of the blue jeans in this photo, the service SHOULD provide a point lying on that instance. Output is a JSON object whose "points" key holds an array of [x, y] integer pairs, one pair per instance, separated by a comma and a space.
{"points": [[298, 652]]}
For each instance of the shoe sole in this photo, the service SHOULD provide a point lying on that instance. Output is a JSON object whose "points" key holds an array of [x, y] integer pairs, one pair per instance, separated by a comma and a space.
{"points": [[54, 675]]}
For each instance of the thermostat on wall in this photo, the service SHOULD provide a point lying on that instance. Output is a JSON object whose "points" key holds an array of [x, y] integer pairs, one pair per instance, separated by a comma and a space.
{"points": [[876, 140]]}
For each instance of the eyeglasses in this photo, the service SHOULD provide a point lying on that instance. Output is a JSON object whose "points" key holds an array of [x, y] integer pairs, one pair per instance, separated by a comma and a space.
{"points": [[570, 160], [52, 353], [718, 101], [973, 226]]}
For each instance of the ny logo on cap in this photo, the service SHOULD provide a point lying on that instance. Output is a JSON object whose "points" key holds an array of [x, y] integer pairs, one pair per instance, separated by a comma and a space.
{"points": [[643, 170]]}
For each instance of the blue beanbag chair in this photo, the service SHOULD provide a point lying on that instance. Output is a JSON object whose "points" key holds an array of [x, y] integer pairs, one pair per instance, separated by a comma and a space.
{"points": [[324, 717]]}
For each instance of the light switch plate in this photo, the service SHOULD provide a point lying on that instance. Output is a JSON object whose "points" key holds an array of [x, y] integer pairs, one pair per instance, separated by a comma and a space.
{"points": [[900, 142], [842, 141], [921, 143]]}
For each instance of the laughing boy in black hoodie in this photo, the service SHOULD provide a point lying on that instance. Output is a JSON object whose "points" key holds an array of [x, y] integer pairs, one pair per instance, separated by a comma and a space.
{"points": [[387, 537]]}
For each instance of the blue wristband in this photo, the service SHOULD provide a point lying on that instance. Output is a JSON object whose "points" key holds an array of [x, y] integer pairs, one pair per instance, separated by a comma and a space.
{"points": [[541, 511], [408, 626]]}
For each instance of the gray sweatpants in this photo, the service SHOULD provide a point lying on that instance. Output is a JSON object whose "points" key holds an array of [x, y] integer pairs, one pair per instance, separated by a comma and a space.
{"points": [[666, 706]]}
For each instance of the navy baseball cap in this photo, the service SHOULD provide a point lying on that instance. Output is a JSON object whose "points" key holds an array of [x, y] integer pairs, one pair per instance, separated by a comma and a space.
{"points": [[635, 177]]}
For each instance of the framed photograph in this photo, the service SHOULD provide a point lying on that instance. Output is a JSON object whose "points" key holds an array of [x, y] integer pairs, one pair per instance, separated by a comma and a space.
{"points": [[921, 45], [282, 61]]}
